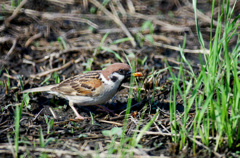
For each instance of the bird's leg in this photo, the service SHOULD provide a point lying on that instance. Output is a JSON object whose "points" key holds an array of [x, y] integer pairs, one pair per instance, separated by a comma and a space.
{"points": [[105, 109], [79, 117]]}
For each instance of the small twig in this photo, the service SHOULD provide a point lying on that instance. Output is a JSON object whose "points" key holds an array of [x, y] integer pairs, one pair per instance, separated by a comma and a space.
{"points": [[11, 126], [115, 19], [11, 77], [62, 3], [172, 60], [116, 117], [11, 146], [171, 134], [121, 9], [51, 71], [130, 6], [25, 61], [196, 51], [135, 87], [53, 113], [165, 26], [131, 107], [200, 144], [15, 13], [12, 48], [55, 151], [133, 120], [110, 122], [49, 16], [202, 16], [36, 36], [159, 130], [85, 4]]}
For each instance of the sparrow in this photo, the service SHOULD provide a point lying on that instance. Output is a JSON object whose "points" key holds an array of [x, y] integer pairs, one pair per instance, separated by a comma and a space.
{"points": [[90, 88]]}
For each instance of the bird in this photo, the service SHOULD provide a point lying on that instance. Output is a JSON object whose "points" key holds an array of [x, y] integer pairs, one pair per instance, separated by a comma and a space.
{"points": [[90, 88]]}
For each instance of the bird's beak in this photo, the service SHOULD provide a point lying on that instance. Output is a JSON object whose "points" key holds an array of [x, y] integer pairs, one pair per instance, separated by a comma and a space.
{"points": [[128, 74]]}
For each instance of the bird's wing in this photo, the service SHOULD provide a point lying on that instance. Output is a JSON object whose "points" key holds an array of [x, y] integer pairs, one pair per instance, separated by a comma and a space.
{"points": [[80, 85]]}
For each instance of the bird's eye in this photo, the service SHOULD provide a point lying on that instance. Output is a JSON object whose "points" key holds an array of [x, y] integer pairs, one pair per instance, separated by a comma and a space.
{"points": [[121, 71]]}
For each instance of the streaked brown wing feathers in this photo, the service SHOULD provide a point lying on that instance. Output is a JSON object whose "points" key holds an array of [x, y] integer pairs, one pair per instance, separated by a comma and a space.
{"points": [[81, 85]]}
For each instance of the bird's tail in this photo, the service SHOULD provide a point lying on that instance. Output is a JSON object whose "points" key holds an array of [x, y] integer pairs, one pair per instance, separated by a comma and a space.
{"points": [[39, 89]]}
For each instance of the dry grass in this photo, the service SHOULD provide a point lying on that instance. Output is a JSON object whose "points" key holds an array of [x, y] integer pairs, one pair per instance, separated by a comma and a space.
{"points": [[38, 39]]}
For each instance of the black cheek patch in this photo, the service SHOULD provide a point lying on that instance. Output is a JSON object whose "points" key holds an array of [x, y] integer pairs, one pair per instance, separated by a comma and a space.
{"points": [[114, 78]]}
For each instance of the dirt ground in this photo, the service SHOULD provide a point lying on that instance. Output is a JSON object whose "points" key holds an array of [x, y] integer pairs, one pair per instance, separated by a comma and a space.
{"points": [[42, 40]]}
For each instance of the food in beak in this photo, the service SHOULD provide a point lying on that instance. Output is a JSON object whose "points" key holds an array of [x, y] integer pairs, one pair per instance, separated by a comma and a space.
{"points": [[137, 74]]}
